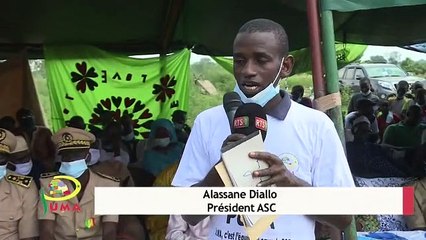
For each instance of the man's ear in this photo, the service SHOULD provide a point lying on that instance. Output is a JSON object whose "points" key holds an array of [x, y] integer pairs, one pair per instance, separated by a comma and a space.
{"points": [[287, 66]]}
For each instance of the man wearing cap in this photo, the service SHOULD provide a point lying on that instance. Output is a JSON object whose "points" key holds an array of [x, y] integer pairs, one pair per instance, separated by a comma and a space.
{"points": [[364, 108], [128, 225], [18, 197], [74, 218], [20, 161]]}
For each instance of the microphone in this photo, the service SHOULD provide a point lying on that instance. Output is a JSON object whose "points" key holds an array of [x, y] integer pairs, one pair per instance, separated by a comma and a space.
{"points": [[231, 102], [249, 118]]}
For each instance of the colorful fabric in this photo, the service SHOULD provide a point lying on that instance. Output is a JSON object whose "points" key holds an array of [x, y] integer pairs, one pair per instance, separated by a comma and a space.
{"points": [[157, 225], [386, 222], [367, 223], [157, 160], [92, 83]]}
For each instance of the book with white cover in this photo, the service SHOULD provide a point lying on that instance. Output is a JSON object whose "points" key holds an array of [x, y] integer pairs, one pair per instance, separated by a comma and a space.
{"points": [[240, 166], [238, 163]]}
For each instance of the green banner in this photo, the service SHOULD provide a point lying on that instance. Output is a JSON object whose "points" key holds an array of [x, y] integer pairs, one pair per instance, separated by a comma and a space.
{"points": [[345, 53], [99, 85]]}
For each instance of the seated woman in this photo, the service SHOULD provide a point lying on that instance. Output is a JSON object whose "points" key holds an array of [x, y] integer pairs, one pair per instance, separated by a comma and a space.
{"points": [[163, 148]]}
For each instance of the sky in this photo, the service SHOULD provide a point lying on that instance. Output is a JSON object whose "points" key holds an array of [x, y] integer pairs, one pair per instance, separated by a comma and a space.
{"points": [[370, 51], [385, 51]]}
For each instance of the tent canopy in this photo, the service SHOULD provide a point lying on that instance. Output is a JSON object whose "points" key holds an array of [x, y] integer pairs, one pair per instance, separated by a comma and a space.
{"points": [[209, 27]]}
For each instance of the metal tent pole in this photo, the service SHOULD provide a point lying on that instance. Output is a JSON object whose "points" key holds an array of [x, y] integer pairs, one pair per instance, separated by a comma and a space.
{"points": [[329, 56], [315, 48]]}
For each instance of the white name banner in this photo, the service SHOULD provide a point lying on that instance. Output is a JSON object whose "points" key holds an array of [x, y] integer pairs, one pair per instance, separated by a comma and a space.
{"points": [[253, 201]]}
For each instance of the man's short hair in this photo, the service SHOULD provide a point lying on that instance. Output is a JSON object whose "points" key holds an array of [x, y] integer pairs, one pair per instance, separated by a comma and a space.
{"points": [[76, 122], [384, 102], [266, 25], [420, 92], [414, 111], [179, 115], [358, 121], [403, 83], [298, 88], [361, 103], [364, 80], [23, 112], [416, 85]]}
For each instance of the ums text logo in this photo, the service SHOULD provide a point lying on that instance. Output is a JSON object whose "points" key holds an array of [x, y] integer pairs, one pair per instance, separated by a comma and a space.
{"points": [[59, 194]]}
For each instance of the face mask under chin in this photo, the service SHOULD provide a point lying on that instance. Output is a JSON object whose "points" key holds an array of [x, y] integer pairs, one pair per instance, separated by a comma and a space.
{"points": [[264, 96]]}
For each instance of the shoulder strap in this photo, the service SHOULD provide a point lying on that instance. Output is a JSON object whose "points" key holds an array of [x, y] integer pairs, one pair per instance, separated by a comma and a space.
{"points": [[24, 181], [49, 174], [107, 176]]}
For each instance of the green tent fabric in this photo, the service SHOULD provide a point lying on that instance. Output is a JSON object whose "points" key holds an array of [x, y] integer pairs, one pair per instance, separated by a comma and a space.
{"points": [[356, 5], [345, 53], [208, 27], [99, 85]]}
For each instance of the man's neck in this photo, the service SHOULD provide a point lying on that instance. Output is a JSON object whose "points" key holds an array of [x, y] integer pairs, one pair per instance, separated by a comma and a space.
{"points": [[409, 124], [273, 102], [29, 130], [83, 179]]}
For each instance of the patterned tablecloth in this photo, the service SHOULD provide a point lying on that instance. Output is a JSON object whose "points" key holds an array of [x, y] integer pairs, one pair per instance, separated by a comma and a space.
{"points": [[409, 235]]}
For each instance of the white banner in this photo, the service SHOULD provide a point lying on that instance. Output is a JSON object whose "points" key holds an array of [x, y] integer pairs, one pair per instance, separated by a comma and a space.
{"points": [[253, 201]]}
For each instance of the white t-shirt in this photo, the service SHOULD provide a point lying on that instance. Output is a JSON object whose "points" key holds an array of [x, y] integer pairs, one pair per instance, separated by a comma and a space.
{"points": [[307, 142], [348, 126]]}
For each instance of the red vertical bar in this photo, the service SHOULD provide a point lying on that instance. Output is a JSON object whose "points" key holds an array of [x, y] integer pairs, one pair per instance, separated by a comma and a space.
{"points": [[408, 200], [315, 47]]}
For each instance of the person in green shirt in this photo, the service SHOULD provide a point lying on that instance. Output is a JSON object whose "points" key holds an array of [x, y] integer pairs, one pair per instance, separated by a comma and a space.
{"points": [[407, 133]]}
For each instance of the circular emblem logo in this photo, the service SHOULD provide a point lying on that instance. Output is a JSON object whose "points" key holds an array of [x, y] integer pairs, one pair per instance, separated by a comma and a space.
{"points": [[67, 138], [58, 188], [290, 161], [59, 191], [2, 134]]}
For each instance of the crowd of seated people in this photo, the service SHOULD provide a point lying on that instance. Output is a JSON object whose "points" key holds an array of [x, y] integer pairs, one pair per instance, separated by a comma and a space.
{"points": [[115, 153], [386, 139]]}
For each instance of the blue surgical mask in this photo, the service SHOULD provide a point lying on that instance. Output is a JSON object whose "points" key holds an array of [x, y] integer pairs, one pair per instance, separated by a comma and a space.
{"points": [[95, 155], [179, 126], [264, 96], [74, 169], [2, 171], [161, 142], [367, 93], [129, 137], [23, 168]]}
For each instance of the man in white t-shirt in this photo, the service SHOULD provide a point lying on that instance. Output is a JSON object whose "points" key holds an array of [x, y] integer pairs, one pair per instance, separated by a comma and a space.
{"points": [[364, 107], [303, 148]]}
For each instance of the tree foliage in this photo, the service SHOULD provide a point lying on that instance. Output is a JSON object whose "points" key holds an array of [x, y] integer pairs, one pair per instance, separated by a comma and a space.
{"points": [[378, 59], [416, 67], [206, 69]]}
